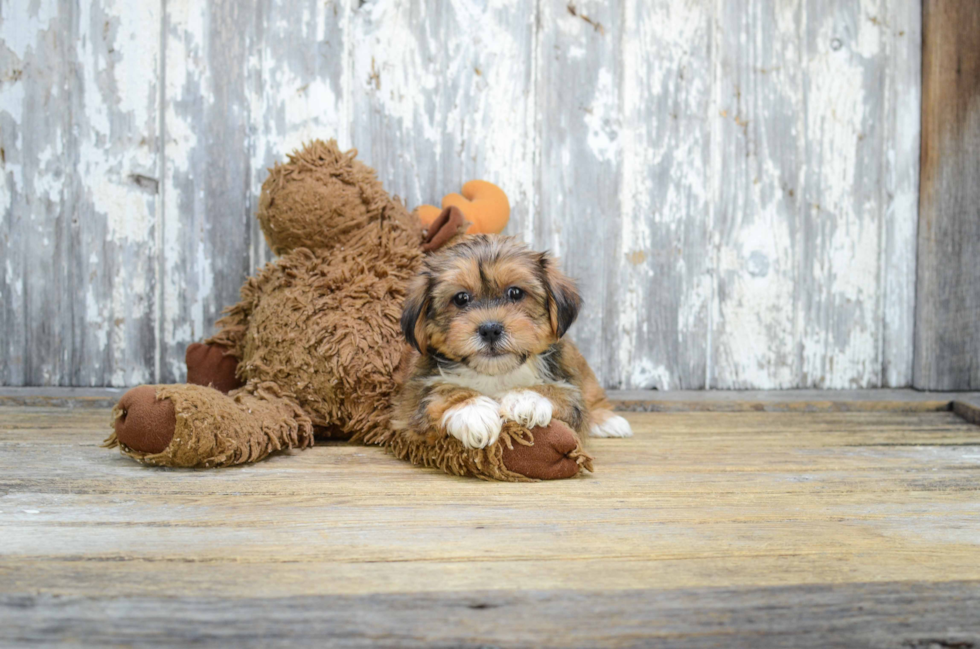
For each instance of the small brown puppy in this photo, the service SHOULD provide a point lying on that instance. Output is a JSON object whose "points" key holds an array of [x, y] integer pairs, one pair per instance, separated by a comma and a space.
{"points": [[486, 318]]}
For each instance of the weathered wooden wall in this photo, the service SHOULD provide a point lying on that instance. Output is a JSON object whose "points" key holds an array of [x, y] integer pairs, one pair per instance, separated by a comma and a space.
{"points": [[734, 184], [947, 317]]}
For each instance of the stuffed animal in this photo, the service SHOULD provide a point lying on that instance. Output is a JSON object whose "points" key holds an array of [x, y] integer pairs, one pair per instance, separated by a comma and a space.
{"points": [[314, 347]]}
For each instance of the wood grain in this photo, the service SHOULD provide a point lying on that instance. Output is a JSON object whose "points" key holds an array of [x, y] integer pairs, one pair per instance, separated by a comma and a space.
{"points": [[735, 187], [79, 149], [916, 615], [704, 526], [441, 93], [657, 328], [579, 213], [813, 224], [206, 223], [883, 400], [947, 339]]}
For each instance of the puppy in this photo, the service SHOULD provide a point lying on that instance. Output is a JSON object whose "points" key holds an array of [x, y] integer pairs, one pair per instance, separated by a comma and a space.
{"points": [[486, 318]]}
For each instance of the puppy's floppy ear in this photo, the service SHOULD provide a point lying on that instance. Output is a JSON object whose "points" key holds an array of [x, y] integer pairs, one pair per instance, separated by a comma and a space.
{"points": [[563, 298], [413, 314]]}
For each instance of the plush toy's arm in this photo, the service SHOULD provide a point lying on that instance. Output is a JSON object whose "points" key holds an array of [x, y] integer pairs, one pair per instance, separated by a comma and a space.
{"points": [[215, 361], [232, 326]]}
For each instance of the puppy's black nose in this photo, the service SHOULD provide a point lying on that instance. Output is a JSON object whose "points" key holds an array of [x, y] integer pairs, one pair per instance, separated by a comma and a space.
{"points": [[491, 331]]}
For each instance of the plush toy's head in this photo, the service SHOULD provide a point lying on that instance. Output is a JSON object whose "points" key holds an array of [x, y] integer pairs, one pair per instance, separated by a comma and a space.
{"points": [[321, 197]]}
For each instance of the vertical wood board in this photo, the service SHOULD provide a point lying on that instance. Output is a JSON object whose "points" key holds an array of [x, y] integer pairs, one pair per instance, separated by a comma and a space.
{"points": [[947, 317]]}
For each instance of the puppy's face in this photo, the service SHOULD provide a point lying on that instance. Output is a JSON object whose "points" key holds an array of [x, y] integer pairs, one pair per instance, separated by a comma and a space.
{"points": [[490, 303]]}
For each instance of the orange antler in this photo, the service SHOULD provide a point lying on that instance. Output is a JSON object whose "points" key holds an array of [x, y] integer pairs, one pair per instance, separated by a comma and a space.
{"points": [[482, 203]]}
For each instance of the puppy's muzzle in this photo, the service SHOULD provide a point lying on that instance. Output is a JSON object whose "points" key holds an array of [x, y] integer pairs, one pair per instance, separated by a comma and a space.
{"points": [[491, 332]]}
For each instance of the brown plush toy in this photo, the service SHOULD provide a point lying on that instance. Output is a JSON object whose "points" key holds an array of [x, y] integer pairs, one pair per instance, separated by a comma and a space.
{"points": [[313, 347]]}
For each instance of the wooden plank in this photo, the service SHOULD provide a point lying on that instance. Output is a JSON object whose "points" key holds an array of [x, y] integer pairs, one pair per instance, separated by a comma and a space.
{"points": [[893, 400], [890, 400], [114, 211], [967, 406], [721, 529], [206, 226], [36, 106], [758, 150], [898, 614], [656, 317], [901, 108], [947, 339], [813, 221], [816, 491], [579, 212], [61, 397], [81, 149], [297, 89], [441, 93]]}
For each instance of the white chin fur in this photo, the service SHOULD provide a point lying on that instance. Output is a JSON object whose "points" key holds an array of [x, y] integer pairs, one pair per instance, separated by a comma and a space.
{"points": [[526, 407], [609, 425], [475, 422]]}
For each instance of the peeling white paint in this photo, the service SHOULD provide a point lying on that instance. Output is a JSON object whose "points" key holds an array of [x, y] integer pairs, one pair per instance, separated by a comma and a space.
{"points": [[757, 164], [602, 119], [645, 375], [31, 18]]}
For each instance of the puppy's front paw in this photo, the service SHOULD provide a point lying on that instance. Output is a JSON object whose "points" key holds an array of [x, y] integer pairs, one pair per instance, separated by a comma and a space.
{"points": [[475, 422], [526, 407], [606, 424]]}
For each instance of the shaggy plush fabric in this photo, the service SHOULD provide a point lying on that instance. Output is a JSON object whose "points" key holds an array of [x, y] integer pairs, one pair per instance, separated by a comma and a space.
{"points": [[513, 450]]}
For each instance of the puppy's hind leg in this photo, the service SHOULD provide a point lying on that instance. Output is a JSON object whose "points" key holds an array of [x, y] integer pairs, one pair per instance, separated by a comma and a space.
{"points": [[606, 423]]}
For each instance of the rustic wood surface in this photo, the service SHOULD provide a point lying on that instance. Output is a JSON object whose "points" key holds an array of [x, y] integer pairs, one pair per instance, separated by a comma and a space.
{"points": [[947, 335], [705, 529], [734, 185], [892, 400], [909, 615]]}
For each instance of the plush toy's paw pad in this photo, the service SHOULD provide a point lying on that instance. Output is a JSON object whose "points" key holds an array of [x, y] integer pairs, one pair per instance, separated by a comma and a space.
{"points": [[211, 365], [606, 424], [527, 408], [554, 455], [475, 422], [144, 423]]}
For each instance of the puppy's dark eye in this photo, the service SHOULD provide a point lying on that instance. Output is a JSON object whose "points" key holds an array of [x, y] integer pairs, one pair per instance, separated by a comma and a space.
{"points": [[515, 294], [461, 299]]}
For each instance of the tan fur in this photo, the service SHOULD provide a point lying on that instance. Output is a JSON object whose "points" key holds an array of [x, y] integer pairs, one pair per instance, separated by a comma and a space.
{"points": [[453, 364]]}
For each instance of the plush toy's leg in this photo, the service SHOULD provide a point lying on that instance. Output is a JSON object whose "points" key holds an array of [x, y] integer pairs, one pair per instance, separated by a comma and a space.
{"points": [[212, 365], [196, 426], [550, 452]]}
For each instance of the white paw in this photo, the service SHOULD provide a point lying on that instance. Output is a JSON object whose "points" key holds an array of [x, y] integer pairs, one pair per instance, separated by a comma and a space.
{"points": [[606, 424], [475, 422], [526, 407]]}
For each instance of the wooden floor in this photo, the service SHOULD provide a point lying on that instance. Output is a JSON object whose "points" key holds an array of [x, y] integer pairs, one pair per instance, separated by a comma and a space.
{"points": [[706, 529]]}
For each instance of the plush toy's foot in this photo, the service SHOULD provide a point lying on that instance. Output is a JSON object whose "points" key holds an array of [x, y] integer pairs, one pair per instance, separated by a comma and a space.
{"points": [[144, 423], [550, 452], [555, 454], [195, 426], [212, 365]]}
